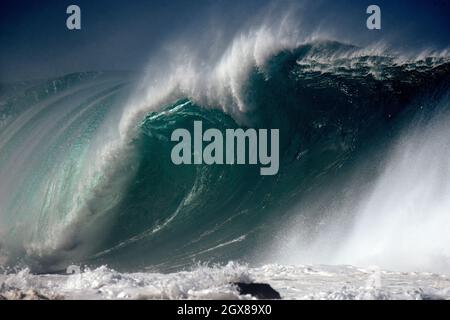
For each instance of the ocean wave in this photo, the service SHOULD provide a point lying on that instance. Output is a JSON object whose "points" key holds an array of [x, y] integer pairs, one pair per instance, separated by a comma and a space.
{"points": [[86, 171]]}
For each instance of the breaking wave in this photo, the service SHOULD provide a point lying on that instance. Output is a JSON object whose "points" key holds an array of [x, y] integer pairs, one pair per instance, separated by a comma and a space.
{"points": [[86, 175]]}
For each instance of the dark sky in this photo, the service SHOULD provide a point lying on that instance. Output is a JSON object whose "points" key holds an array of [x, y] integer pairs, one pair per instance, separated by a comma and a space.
{"points": [[122, 35]]}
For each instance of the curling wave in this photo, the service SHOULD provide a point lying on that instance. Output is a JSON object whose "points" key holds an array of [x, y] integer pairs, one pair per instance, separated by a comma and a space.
{"points": [[86, 175]]}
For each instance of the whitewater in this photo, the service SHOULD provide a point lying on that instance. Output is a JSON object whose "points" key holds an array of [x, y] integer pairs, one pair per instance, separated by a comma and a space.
{"points": [[299, 282], [358, 210]]}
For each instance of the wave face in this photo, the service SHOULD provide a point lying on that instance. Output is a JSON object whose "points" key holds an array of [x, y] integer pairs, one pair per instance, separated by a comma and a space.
{"points": [[86, 176]]}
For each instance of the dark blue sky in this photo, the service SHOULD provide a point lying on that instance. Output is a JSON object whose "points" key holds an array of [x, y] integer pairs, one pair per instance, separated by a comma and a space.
{"points": [[121, 35]]}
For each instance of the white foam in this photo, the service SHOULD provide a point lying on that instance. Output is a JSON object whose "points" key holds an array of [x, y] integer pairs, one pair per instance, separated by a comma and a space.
{"points": [[293, 282]]}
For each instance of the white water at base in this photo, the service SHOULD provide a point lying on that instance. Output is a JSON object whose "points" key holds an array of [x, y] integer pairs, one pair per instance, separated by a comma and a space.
{"points": [[292, 282]]}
